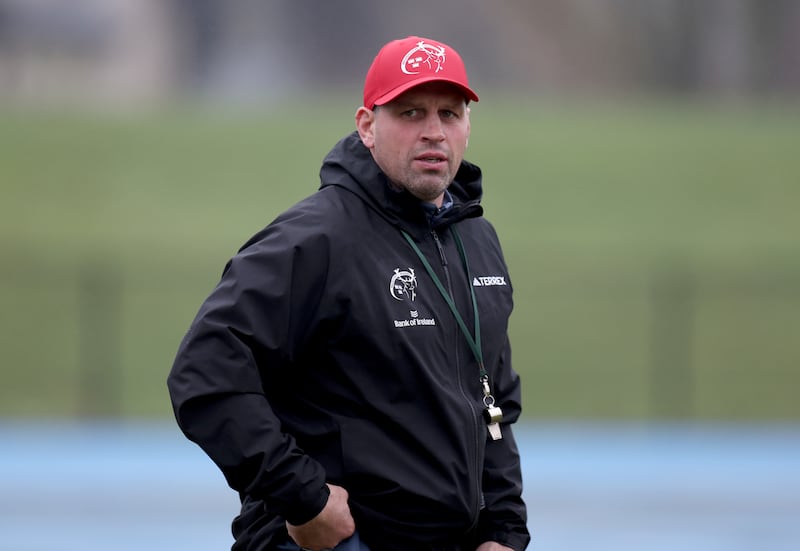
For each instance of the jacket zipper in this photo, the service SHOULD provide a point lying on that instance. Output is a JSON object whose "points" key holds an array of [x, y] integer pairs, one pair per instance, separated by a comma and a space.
{"points": [[443, 258], [475, 431]]}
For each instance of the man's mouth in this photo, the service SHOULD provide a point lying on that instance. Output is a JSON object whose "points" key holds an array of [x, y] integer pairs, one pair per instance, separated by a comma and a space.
{"points": [[432, 158]]}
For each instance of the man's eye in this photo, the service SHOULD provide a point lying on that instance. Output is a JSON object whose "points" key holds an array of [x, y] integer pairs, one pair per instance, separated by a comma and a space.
{"points": [[447, 114], [410, 113]]}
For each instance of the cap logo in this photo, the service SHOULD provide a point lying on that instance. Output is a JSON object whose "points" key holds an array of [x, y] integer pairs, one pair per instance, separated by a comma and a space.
{"points": [[423, 54]]}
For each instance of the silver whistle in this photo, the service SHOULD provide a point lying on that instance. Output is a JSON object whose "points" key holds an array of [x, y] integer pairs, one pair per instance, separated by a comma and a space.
{"points": [[493, 415]]}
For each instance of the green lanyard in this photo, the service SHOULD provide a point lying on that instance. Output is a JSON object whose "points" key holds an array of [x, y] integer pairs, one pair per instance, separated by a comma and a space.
{"points": [[493, 413]]}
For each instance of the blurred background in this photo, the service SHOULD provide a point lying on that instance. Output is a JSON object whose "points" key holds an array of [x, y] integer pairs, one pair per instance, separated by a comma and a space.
{"points": [[641, 164]]}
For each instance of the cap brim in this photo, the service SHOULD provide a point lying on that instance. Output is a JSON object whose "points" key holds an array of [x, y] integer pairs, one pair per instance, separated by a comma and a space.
{"points": [[389, 96]]}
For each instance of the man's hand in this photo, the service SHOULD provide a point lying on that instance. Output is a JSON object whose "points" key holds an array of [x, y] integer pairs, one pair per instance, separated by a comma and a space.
{"points": [[332, 525], [492, 546]]}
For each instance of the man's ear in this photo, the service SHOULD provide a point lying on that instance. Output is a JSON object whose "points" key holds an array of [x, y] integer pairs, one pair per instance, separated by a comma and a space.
{"points": [[469, 127], [365, 124]]}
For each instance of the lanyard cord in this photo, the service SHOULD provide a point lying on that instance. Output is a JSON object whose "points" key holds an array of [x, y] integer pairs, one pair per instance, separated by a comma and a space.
{"points": [[474, 343]]}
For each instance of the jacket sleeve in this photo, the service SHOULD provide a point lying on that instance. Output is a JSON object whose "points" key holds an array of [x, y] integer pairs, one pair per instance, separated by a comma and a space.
{"points": [[504, 517], [250, 326]]}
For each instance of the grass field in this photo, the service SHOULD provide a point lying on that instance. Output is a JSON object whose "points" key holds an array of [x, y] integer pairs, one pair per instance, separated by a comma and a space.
{"points": [[654, 249]]}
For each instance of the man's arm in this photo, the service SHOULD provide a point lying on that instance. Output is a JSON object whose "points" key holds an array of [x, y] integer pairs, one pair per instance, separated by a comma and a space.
{"points": [[224, 364]]}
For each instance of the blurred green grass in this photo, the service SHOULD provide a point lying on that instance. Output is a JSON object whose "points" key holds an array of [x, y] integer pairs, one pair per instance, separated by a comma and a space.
{"points": [[597, 206]]}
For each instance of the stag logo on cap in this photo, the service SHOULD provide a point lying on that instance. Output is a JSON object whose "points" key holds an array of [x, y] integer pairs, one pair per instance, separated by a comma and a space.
{"points": [[423, 57]]}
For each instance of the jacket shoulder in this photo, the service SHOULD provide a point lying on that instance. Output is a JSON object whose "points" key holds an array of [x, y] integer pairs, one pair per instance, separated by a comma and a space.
{"points": [[319, 214]]}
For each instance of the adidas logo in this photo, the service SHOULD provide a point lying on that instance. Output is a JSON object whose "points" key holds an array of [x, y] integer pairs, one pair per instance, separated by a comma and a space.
{"points": [[488, 281]]}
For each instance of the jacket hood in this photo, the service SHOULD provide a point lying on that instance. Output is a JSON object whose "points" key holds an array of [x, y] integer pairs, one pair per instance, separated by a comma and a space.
{"points": [[350, 165]]}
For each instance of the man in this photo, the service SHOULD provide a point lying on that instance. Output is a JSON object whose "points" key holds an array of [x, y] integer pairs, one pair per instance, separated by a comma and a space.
{"points": [[351, 373]]}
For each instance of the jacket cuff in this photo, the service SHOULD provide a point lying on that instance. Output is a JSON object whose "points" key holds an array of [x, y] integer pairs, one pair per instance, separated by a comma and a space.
{"points": [[516, 541], [307, 507]]}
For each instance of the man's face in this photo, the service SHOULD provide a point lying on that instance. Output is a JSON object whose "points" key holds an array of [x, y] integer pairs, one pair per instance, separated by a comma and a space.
{"points": [[418, 139]]}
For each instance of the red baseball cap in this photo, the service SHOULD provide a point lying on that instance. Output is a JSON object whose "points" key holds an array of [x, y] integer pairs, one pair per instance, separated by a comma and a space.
{"points": [[402, 64]]}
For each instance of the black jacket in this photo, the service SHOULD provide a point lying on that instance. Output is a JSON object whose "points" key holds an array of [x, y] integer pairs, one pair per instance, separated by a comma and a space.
{"points": [[327, 354]]}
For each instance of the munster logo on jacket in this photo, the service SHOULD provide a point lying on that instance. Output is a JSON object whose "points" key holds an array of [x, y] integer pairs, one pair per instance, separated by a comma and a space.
{"points": [[403, 285]]}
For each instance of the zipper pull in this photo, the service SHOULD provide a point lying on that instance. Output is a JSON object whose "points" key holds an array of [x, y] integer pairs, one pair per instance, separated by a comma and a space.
{"points": [[442, 257]]}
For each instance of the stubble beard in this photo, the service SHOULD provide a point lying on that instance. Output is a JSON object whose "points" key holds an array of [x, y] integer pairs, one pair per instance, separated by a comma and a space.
{"points": [[426, 186]]}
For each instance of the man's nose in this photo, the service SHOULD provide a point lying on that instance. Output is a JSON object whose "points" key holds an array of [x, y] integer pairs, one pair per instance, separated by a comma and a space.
{"points": [[434, 130]]}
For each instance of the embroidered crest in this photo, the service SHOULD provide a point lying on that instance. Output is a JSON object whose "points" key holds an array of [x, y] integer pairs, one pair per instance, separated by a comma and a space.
{"points": [[423, 57], [403, 284]]}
